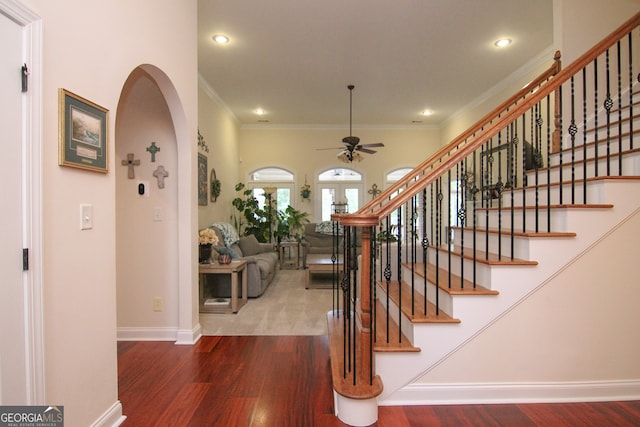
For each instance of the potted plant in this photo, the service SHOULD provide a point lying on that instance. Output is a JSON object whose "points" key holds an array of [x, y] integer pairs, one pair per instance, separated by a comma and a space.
{"points": [[252, 218], [291, 223], [207, 238]]}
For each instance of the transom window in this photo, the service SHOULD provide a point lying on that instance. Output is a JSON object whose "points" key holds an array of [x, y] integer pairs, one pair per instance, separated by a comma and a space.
{"points": [[279, 182]]}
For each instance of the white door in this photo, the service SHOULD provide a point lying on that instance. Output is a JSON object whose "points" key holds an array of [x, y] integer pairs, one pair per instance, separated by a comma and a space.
{"points": [[330, 193], [13, 350]]}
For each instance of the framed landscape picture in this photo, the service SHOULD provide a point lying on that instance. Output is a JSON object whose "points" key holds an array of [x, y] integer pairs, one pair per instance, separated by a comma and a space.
{"points": [[82, 139]]}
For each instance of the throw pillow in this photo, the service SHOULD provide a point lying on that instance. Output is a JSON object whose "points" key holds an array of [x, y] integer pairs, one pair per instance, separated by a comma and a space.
{"points": [[249, 245]]}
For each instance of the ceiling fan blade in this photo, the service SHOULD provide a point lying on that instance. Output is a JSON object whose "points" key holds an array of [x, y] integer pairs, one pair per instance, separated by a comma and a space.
{"points": [[376, 144], [332, 148], [365, 150]]}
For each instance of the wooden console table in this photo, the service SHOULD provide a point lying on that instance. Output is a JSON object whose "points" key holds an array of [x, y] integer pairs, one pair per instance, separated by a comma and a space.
{"points": [[211, 305]]}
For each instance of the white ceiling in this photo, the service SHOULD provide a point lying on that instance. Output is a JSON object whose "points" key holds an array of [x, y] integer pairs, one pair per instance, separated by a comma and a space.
{"points": [[295, 58]]}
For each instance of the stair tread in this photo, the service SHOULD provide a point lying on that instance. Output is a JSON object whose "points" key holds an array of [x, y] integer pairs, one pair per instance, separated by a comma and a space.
{"points": [[507, 231], [343, 384], [559, 206], [458, 286], [395, 342], [579, 180], [483, 258], [418, 315]]}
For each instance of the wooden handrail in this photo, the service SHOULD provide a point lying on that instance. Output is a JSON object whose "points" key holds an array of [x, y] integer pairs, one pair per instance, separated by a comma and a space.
{"points": [[481, 131]]}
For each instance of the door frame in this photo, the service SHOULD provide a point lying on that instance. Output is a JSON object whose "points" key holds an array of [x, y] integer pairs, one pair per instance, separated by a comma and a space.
{"points": [[32, 195]]}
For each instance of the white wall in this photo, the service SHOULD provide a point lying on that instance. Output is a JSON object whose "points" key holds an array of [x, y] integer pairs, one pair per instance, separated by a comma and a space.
{"points": [[549, 338], [90, 48]]}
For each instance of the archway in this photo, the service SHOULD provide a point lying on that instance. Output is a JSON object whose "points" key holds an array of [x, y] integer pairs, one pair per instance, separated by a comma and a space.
{"points": [[153, 226]]}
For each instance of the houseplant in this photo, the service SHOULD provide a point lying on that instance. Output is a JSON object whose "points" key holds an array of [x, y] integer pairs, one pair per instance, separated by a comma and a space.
{"points": [[251, 218], [291, 223]]}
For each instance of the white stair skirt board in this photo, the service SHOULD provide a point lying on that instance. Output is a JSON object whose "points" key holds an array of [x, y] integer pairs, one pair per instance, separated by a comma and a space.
{"points": [[548, 392], [356, 412]]}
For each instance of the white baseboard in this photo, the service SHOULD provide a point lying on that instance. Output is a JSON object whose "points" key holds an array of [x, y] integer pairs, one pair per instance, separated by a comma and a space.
{"points": [[460, 394], [189, 337], [112, 418], [147, 334]]}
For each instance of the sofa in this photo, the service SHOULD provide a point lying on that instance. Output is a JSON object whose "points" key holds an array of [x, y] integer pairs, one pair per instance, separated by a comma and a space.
{"points": [[318, 239], [262, 261]]}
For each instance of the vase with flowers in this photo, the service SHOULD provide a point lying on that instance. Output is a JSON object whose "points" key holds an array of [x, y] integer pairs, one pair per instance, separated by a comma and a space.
{"points": [[207, 239]]}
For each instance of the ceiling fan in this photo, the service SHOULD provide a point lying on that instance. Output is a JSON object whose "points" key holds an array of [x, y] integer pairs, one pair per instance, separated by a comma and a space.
{"points": [[352, 147]]}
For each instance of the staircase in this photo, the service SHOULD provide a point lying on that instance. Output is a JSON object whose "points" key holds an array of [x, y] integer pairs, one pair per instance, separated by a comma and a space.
{"points": [[484, 226]]}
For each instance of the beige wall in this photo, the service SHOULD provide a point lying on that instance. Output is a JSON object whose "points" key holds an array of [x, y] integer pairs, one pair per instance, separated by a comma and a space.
{"points": [[296, 150], [578, 25], [220, 131], [90, 48]]}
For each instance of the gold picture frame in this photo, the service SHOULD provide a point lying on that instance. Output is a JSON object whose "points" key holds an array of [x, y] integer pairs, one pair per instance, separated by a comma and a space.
{"points": [[82, 139]]}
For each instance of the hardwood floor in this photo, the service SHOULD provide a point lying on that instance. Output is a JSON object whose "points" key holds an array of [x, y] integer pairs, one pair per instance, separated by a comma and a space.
{"points": [[285, 381]]}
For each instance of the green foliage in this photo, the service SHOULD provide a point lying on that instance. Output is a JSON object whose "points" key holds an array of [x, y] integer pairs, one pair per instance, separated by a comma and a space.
{"points": [[251, 219], [291, 223]]}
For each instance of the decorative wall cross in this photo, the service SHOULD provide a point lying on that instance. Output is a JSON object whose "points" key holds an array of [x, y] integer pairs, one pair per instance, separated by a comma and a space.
{"points": [[153, 149], [160, 174], [130, 163], [374, 191]]}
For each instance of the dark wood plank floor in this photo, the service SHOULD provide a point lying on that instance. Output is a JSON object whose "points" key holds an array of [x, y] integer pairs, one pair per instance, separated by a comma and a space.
{"points": [[285, 381]]}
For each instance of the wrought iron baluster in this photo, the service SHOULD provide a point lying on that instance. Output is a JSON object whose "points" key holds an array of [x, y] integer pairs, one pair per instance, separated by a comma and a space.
{"points": [[619, 110], [596, 107], [573, 129], [608, 104], [631, 91], [584, 135]]}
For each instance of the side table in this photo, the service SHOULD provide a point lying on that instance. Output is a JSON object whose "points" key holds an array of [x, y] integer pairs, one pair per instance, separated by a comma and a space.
{"points": [[212, 305], [287, 261]]}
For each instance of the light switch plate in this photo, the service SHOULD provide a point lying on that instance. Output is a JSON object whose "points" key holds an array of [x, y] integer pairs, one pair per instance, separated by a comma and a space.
{"points": [[86, 217]]}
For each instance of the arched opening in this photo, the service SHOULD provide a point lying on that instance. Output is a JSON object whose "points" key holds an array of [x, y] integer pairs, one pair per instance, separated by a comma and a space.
{"points": [[153, 248]]}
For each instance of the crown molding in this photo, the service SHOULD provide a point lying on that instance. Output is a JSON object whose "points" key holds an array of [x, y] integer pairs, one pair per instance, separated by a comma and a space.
{"points": [[206, 87]]}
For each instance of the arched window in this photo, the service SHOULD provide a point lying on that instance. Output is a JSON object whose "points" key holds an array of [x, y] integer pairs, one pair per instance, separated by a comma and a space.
{"points": [[340, 191], [278, 181]]}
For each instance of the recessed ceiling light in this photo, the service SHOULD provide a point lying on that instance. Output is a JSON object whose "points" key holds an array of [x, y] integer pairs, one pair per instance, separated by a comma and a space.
{"points": [[503, 42], [220, 39], [426, 113], [259, 111]]}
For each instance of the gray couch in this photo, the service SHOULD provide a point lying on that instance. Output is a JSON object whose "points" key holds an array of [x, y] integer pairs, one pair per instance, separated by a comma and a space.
{"points": [[262, 261], [318, 239]]}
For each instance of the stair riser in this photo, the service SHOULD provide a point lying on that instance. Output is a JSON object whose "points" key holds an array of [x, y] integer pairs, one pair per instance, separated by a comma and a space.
{"points": [[502, 219], [630, 166], [459, 267], [594, 196], [578, 151]]}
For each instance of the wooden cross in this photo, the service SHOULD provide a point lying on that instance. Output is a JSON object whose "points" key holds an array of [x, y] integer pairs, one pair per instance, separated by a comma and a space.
{"points": [[130, 163], [160, 174], [153, 149]]}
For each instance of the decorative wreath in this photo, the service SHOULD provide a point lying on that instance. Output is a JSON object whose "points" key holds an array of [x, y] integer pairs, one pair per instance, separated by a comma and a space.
{"points": [[215, 186]]}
